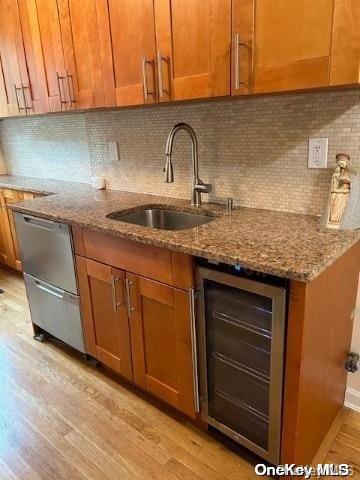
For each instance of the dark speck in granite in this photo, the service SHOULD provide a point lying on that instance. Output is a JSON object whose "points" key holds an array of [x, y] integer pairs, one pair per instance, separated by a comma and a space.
{"points": [[288, 245]]}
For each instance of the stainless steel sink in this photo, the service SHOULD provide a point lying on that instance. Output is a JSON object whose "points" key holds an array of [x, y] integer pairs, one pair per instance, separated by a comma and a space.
{"points": [[162, 218]]}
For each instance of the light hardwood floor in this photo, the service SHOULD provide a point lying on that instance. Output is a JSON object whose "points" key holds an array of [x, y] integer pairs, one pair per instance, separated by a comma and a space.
{"points": [[61, 419]]}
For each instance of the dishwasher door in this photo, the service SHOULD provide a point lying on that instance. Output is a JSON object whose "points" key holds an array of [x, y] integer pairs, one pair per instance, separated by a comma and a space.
{"points": [[55, 311], [46, 251]]}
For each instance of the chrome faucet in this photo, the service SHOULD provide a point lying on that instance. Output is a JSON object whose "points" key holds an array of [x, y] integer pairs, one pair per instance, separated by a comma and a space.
{"points": [[198, 187]]}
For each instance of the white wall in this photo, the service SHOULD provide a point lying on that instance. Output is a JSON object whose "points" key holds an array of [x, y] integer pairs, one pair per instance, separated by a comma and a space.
{"points": [[353, 391]]}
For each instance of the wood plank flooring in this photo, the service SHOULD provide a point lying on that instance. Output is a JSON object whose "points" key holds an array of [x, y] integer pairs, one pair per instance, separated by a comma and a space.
{"points": [[62, 419]]}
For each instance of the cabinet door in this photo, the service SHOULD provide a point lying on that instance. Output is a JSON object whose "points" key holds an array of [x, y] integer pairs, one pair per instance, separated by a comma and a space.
{"points": [[14, 196], [54, 62], [7, 249], [4, 101], [345, 51], [12, 54], [161, 341], [198, 49], [4, 232], [292, 44], [133, 48], [242, 46], [36, 90], [85, 48], [105, 321]]}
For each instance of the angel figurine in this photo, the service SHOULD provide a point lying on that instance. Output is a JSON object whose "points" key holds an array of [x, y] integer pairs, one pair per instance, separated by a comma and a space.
{"points": [[340, 190]]}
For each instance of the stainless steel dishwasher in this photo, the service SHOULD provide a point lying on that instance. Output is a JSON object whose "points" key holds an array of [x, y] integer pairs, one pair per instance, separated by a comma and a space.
{"points": [[49, 272], [241, 323]]}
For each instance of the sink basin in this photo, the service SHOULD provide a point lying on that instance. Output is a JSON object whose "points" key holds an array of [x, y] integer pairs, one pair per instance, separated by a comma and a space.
{"points": [[162, 218]]}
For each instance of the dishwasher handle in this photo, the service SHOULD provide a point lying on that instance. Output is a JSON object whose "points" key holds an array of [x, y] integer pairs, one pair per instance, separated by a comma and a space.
{"points": [[49, 225], [55, 292]]}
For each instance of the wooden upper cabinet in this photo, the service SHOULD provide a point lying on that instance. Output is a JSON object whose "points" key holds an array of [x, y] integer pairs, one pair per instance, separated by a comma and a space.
{"points": [[345, 52], [58, 81], [86, 44], [133, 51], [105, 321], [36, 91], [12, 55], [194, 42], [242, 46], [292, 44], [161, 341], [4, 101]]}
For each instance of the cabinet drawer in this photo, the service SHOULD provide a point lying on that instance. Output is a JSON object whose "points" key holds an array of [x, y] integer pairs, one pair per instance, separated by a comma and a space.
{"points": [[171, 268]]}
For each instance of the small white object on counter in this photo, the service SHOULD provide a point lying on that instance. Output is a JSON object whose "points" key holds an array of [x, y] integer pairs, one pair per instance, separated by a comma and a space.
{"points": [[98, 183]]}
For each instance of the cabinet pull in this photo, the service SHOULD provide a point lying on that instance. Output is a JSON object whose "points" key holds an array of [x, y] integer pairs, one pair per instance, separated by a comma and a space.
{"points": [[60, 81], [24, 97], [116, 304], [20, 109], [238, 44], [128, 297], [161, 59], [194, 349], [145, 79], [70, 81]]}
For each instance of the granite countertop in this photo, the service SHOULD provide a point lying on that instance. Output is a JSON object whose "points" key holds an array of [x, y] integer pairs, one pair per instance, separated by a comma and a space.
{"points": [[288, 245]]}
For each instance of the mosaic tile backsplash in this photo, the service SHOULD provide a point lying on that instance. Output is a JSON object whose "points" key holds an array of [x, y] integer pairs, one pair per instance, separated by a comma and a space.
{"points": [[253, 149]]}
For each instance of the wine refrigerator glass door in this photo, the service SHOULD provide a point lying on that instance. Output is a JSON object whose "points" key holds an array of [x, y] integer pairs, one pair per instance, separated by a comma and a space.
{"points": [[241, 326]]}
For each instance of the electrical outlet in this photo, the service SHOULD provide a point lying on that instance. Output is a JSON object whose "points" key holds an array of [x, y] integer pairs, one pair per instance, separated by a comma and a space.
{"points": [[318, 152], [114, 151]]}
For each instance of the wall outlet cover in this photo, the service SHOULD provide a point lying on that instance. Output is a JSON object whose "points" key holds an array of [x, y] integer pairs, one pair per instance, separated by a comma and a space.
{"points": [[318, 152]]}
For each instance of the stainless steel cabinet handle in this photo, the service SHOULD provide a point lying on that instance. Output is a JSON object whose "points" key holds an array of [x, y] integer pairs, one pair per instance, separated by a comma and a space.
{"points": [[194, 349], [128, 295], [116, 304], [20, 109], [145, 79], [60, 81], [238, 44], [161, 59], [70, 80], [24, 97]]}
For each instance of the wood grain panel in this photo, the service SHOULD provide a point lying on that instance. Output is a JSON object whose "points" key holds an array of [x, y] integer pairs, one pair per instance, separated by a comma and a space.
{"points": [[200, 48], [161, 342], [345, 51], [37, 94], [292, 44], [4, 101], [149, 261], [9, 28], [53, 55], [80, 26], [303, 74], [133, 37], [318, 340], [106, 328]]}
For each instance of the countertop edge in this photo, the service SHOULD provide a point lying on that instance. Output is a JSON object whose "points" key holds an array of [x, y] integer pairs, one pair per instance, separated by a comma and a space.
{"points": [[304, 277]]}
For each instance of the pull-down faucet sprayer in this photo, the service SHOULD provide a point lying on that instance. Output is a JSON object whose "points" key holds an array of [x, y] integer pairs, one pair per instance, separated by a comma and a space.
{"points": [[198, 187]]}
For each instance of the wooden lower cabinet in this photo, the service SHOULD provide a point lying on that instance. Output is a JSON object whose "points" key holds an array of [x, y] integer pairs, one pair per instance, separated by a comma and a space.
{"points": [[104, 314], [161, 341], [9, 247], [139, 328]]}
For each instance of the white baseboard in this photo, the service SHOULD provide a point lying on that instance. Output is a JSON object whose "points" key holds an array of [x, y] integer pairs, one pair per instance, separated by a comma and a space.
{"points": [[352, 399]]}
